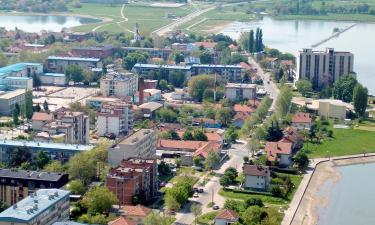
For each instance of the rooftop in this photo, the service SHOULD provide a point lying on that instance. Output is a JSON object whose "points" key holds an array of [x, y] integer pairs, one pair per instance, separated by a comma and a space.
{"points": [[30, 175], [17, 67], [152, 106], [155, 66], [94, 48], [33, 205], [45, 145], [42, 116], [180, 144], [135, 137], [255, 170], [301, 117], [122, 221], [239, 85], [73, 58], [138, 210], [228, 214], [274, 148], [12, 94], [53, 74]]}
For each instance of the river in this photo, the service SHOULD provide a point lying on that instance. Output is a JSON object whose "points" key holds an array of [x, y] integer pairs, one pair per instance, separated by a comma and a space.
{"points": [[352, 199], [36, 23], [293, 35]]}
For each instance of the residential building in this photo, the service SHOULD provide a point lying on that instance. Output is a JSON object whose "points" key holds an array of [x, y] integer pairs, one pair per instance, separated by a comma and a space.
{"points": [[206, 123], [279, 152], [256, 177], [301, 121], [56, 131], [152, 52], [292, 136], [136, 213], [114, 118], [96, 102], [240, 92], [9, 99], [226, 217], [150, 84], [44, 207], [242, 112], [40, 119], [139, 144], [180, 95], [99, 51], [57, 79], [16, 184], [57, 64], [19, 75], [149, 109], [324, 67], [134, 177], [332, 108], [144, 69], [118, 84], [121, 221], [54, 151], [149, 95]]}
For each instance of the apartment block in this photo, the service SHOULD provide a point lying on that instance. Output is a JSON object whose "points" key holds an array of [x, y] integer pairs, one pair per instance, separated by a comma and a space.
{"points": [[240, 92], [134, 177], [16, 184], [119, 84], [9, 99], [44, 207], [57, 64], [115, 118], [140, 144], [19, 75], [99, 51], [324, 67]]}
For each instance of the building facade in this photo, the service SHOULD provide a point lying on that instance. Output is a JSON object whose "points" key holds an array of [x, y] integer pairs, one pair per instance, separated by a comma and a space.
{"points": [[16, 184], [57, 64], [114, 118], [44, 207], [58, 79], [324, 67], [99, 51], [256, 177], [140, 144], [9, 99], [19, 75], [240, 92], [119, 84]]}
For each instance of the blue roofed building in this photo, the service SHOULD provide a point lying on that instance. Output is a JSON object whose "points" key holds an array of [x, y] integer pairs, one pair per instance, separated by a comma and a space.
{"points": [[57, 64], [55, 151], [44, 207], [19, 75]]}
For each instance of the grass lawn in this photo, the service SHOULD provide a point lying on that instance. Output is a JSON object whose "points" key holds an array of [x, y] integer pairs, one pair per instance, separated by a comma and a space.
{"points": [[344, 142], [207, 218]]}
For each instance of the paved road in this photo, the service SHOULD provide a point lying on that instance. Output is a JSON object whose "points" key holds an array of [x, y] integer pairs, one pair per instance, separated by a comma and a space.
{"points": [[237, 152], [269, 85]]}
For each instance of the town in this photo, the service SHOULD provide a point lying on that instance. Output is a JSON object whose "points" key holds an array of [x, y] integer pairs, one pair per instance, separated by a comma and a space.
{"points": [[178, 128]]}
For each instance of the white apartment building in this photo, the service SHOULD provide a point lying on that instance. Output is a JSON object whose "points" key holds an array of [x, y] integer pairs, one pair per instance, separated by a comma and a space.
{"points": [[141, 144], [324, 66], [115, 118], [119, 84], [239, 92]]}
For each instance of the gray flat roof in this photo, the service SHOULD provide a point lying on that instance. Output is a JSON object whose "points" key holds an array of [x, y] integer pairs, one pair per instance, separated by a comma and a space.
{"points": [[45, 145], [31, 175], [73, 59]]}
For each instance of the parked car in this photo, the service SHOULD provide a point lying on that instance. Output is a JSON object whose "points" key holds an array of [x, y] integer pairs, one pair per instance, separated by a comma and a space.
{"points": [[215, 207], [200, 190], [195, 195], [111, 136]]}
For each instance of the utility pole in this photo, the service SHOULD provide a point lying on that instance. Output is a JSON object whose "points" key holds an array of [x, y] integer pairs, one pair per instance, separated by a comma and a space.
{"points": [[215, 88]]}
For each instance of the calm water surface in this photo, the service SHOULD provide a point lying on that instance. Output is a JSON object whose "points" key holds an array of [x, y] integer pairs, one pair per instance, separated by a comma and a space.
{"points": [[36, 23], [352, 197], [293, 35]]}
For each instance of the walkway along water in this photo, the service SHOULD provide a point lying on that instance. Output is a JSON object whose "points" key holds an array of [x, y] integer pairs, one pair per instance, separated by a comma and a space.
{"points": [[336, 34]]}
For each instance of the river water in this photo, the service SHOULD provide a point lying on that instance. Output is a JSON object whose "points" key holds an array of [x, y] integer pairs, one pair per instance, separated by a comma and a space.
{"points": [[36, 23], [293, 35], [352, 197]]}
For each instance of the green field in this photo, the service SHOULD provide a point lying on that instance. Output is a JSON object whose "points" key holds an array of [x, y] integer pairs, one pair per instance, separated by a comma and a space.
{"points": [[149, 18], [344, 142]]}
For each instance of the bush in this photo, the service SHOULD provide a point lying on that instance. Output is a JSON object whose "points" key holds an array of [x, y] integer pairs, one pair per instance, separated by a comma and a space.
{"points": [[276, 191]]}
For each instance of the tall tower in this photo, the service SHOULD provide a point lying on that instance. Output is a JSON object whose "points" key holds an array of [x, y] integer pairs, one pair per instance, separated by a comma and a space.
{"points": [[137, 36]]}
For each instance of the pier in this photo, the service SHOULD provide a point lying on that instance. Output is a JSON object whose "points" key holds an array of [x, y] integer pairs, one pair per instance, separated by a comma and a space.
{"points": [[336, 34]]}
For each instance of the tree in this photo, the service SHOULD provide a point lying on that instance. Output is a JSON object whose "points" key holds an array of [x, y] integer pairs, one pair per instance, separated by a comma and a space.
{"points": [[208, 95], [99, 200], [42, 159], [74, 72], [37, 108], [253, 215], [28, 104], [45, 105], [304, 86], [231, 135], [343, 88], [360, 99], [133, 58], [166, 115], [187, 136], [251, 41], [252, 145], [163, 85], [277, 191], [76, 187], [283, 102], [196, 209], [171, 203], [20, 155], [172, 135], [225, 181], [231, 173], [253, 201], [83, 167], [54, 166], [302, 160], [205, 57], [176, 78], [15, 115], [197, 161], [224, 115], [198, 84], [36, 81], [155, 219], [199, 135], [274, 132], [212, 160]]}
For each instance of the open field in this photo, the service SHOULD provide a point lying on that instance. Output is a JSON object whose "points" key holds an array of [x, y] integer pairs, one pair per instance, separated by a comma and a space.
{"points": [[149, 18], [344, 142]]}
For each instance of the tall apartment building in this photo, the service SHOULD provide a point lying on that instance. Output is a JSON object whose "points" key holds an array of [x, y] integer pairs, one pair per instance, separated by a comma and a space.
{"points": [[322, 67], [134, 177], [16, 184], [119, 84], [115, 118], [140, 144], [240, 92], [44, 207]]}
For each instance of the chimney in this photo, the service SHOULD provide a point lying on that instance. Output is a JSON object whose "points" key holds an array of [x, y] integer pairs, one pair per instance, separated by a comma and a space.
{"points": [[141, 88]]}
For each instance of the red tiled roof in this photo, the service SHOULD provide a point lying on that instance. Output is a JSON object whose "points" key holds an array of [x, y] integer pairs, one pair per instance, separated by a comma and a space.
{"points": [[138, 210], [204, 150], [291, 135], [41, 116], [245, 66], [243, 108], [254, 170], [206, 44], [122, 221], [182, 145], [211, 136], [287, 62], [228, 214], [205, 120], [274, 148], [301, 117], [233, 47], [241, 116]]}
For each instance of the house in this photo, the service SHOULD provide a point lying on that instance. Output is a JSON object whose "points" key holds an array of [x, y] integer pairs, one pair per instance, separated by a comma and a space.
{"points": [[240, 92], [242, 112], [226, 217], [149, 109], [279, 152], [122, 221], [58, 79], [40, 119], [301, 121], [203, 151], [256, 177], [211, 136], [206, 123], [57, 64], [291, 135], [136, 213], [9, 99]]}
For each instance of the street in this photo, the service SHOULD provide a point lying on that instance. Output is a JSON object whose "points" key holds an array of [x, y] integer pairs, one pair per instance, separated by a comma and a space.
{"points": [[211, 189]]}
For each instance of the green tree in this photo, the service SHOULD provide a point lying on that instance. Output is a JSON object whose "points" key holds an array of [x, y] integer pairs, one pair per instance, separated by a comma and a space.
{"points": [[133, 58], [199, 135], [83, 167], [360, 99], [253, 215], [176, 78], [155, 219], [212, 160], [224, 115], [252, 145], [251, 41], [99, 200], [76, 187], [171, 135], [205, 57], [28, 104], [163, 85], [74, 72], [274, 132], [198, 84], [36, 81], [225, 181], [166, 115], [196, 209], [231, 135], [231, 173], [253, 201], [208, 95], [171, 203], [20, 155], [304, 86], [277, 191], [54, 166], [283, 102], [343, 88], [15, 115], [302, 160], [3, 60], [187, 136], [42, 159], [45, 105]]}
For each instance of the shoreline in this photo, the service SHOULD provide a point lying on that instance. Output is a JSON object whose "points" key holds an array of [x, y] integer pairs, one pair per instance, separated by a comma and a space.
{"points": [[325, 175]]}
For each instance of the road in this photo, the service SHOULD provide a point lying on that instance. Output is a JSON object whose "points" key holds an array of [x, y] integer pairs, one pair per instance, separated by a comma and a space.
{"points": [[211, 189], [269, 85]]}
